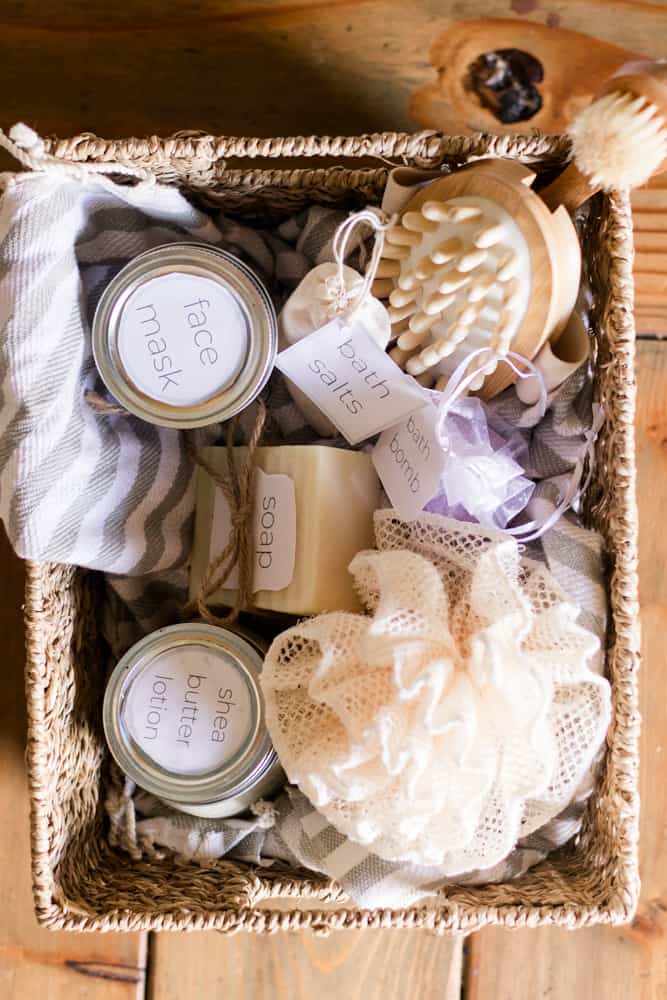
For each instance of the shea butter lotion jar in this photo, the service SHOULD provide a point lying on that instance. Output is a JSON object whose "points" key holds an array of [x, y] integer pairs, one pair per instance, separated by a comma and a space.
{"points": [[184, 719], [185, 335]]}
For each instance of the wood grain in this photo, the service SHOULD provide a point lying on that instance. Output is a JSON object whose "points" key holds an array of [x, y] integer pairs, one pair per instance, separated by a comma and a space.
{"points": [[613, 963], [338, 66], [350, 965], [256, 67], [35, 962], [573, 65], [649, 209]]}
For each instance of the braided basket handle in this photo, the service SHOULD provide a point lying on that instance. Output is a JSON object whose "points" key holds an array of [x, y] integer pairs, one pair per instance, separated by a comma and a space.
{"points": [[421, 148]]}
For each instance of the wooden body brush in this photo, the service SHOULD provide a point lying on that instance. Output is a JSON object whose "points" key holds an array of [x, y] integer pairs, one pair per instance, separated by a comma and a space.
{"points": [[620, 140], [478, 260]]}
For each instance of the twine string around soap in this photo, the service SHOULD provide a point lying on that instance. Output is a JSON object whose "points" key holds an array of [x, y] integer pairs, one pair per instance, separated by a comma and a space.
{"points": [[237, 483]]}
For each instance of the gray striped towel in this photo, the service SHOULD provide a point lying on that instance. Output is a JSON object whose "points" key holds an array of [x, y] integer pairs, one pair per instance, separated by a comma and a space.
{"points": [[115, 494], [111, 493], [298, 834]]}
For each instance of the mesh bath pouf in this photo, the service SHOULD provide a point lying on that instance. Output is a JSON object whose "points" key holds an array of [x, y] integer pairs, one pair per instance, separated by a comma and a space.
{"points": [[458, 716]]}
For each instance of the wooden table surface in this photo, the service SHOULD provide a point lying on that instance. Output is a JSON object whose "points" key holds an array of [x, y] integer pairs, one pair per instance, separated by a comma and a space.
{"points": [[341, 67]]}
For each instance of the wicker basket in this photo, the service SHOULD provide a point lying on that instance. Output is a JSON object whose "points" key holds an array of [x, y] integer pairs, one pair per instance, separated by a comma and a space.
{"points": [[80, 882]]}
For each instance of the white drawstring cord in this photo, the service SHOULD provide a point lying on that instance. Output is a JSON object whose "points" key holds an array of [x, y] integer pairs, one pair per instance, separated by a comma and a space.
{"points": [[461, 378], [376, 219], [28, 148], [575, 488]]}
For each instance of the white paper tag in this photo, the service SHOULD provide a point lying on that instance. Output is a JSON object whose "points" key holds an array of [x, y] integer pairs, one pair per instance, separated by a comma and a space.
{"points": [[182, 338], [189, 710], [410, 461], [274, 528], [351, 379]]}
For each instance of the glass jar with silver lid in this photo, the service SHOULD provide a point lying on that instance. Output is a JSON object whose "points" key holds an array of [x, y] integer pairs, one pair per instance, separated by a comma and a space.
{"points": [[185, 335], [184, 719]]}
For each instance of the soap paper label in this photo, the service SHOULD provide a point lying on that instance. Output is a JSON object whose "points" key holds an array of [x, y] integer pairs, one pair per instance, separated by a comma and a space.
{"points": [[190, 710], [274, 532], [351, 379], [410, 461]]}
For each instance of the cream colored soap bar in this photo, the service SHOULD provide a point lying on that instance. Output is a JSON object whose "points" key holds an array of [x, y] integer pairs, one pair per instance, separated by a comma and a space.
{"points": [[336, 492]]}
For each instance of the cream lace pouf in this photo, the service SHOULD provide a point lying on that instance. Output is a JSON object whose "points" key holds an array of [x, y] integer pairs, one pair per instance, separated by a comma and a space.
{"points": [[459, 715]]}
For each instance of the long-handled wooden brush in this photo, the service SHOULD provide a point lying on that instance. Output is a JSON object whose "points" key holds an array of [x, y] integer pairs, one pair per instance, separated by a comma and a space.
{"points": [[620, 140]]}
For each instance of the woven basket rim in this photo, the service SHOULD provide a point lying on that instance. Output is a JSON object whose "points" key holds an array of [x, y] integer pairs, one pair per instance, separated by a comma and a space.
{"points": [[427, 144]]}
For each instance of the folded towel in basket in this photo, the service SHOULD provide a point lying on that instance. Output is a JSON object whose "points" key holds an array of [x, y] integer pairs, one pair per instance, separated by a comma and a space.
{"points": [[293, 831], [106, 492]]}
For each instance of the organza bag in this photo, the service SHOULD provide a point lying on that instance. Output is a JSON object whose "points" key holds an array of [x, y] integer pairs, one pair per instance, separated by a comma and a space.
{"points": [[483, 478]]}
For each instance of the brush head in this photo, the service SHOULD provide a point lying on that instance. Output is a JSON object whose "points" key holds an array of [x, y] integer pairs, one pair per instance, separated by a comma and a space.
{"points": [[619, 141], [462, 281], [477, 261]]}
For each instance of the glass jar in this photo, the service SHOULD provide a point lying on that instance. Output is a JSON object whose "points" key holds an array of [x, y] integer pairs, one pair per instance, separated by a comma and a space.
{"points": [[185, 335], [184, 718]]}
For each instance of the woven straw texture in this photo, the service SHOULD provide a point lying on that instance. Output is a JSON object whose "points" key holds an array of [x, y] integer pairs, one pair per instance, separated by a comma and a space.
{"points": [[79, 881]]}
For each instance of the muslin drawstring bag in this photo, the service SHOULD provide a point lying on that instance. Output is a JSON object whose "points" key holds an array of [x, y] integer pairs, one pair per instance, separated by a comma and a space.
{"points": [[321, 296], [334, 290], [458, 716]]}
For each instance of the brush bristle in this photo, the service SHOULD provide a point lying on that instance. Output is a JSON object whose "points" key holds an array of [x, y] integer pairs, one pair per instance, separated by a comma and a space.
{"points": [[619, 141], [461, 283]]}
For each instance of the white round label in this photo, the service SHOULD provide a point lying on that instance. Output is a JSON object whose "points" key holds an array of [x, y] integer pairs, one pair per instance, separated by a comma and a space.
{"points": [[182, 338], [190, 710]]}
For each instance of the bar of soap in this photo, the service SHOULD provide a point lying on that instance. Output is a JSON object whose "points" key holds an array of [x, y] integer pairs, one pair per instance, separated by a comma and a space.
{"points": [[336, 492]]}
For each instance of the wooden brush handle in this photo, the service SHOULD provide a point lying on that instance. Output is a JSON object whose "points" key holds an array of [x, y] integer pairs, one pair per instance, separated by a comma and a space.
{"points": [[571, 189], [643, 78]]}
